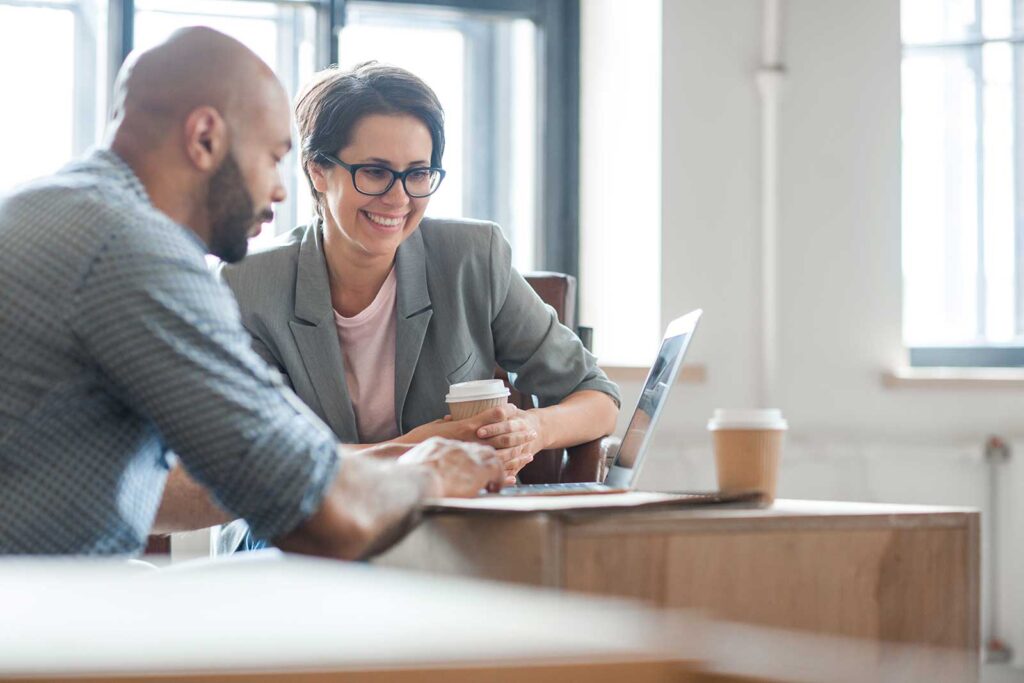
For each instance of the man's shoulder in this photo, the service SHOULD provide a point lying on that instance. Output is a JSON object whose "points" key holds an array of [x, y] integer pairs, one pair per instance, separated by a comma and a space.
{"points": [[80, 206], [49, 199]]}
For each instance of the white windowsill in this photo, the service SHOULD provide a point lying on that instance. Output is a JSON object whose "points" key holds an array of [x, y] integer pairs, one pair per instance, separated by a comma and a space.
{"points": [[690, 373], [953, 378]]}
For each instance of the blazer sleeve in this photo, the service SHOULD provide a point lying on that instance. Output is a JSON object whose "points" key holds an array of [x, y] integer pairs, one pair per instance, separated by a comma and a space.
{"points": [[548, 359]]}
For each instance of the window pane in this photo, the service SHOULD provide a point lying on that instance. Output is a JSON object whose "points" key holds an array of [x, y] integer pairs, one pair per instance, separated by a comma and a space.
{"points": [[940, 196], [927, 21], [999, 240], [435, 54], [64, 76], [940, 21], [281, 34], [996, 18], [484, 70], [247, 22]]}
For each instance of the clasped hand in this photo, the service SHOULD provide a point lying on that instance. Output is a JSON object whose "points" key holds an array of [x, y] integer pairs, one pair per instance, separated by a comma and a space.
{"points": [[514, 434]]}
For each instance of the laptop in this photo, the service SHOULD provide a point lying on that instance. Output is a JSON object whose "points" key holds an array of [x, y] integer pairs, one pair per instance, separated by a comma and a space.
{"points": [[625, 471]]}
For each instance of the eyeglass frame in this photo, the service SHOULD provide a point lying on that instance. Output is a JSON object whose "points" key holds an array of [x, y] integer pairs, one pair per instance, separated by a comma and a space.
{"points": [[395, 175]]}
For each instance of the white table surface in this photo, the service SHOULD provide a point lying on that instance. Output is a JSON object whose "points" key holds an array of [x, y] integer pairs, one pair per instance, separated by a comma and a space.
{"points": [[282, 612]]}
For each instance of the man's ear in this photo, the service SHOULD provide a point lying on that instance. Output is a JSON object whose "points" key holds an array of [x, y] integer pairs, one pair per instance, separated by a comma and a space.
{"points": [[206, 138], [317, 175]]}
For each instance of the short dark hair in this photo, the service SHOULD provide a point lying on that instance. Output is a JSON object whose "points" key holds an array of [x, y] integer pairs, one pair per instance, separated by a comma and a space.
{"points": [[330, 106]]}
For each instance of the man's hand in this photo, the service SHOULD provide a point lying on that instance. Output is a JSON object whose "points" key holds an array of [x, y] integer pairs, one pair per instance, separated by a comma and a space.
{"points": [[515, 449], [374, 501], [461, 469]]}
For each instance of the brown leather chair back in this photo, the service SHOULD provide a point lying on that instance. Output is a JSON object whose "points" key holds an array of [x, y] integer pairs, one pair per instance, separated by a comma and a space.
{"points": [[557, 290]]}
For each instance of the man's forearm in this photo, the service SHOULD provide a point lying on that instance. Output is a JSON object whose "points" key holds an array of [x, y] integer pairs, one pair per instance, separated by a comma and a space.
{"points": [[369, 506], [186, 506]]}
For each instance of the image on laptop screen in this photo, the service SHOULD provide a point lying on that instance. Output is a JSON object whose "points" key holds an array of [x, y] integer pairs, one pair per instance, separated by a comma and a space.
{"points": [[652, 401]]}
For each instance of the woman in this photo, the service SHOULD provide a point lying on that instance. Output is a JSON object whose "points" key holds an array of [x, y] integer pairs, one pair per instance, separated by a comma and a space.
{"points": [[373, 311]]}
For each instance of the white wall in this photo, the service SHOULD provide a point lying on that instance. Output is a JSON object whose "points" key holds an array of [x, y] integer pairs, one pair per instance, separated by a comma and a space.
{"points": [[710, 184], [839, 274], [839, 288], [620, 190]]}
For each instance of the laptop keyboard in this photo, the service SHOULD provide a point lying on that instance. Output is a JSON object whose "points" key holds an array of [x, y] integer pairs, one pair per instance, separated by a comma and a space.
{"points": [[551, 489]]}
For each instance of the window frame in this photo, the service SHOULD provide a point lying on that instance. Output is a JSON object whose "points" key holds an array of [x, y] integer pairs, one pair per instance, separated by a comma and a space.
{"points": [[557, 21], [992, 354], [86, 75], [558, 24]]}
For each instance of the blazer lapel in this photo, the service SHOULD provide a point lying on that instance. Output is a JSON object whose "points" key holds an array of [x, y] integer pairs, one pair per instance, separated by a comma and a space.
{"points": [[317, 336], [413, 315]]}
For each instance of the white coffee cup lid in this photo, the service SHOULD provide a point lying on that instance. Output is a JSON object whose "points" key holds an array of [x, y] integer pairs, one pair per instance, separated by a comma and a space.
{"points": [[747, 419], [476, 390]]}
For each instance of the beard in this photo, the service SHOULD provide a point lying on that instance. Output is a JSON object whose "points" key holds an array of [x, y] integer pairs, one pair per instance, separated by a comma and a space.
{"points": [[232, 212]]}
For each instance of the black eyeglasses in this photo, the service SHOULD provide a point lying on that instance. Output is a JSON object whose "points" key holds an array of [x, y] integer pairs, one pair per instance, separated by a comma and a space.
{"points": [[373, 180]]}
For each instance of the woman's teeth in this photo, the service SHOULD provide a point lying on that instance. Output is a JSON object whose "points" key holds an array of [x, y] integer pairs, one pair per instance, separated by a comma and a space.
{"points": [[384, 220]]}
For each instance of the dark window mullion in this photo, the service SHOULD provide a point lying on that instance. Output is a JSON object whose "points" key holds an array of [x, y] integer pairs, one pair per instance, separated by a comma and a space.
{"points": [[558, 231], [479, 154]]}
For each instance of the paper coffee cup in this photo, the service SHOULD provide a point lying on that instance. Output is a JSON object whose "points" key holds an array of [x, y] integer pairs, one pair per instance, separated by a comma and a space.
{"points": [[466, 399], [748, 446]]}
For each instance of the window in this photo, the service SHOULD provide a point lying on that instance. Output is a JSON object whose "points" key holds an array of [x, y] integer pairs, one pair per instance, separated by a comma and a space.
{"points": [[506, 72], [621, 193], [963, 195], [57, 93], [483, 69]]}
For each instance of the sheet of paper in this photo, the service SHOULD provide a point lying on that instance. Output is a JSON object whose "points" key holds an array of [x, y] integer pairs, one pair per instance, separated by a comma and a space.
{"points": [[572, 502]]}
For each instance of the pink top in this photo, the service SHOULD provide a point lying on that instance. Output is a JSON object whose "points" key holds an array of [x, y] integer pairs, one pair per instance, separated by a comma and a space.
{"points": [[368, 347]]}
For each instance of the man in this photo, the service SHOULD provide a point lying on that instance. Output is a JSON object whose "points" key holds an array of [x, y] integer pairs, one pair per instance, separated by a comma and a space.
{"points": [[117, 344]]}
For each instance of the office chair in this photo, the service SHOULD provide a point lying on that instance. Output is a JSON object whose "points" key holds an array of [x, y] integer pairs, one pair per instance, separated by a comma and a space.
{"points": [[587, 461]]}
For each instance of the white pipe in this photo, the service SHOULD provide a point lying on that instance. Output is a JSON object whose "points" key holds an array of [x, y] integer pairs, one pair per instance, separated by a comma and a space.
{"points": [[771, 44], [769, 81]]}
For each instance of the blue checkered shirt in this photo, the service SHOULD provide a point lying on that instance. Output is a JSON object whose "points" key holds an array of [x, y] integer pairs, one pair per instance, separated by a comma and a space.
{"points": [[117, 345]]}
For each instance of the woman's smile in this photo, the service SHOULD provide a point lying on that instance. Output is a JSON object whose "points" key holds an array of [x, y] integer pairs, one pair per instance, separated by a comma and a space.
{"points": [[389, 223]]}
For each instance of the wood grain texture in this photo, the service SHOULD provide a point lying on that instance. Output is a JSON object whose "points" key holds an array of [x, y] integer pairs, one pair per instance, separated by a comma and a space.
{"points": [[519, 549], [892, 585], [883, 573]]}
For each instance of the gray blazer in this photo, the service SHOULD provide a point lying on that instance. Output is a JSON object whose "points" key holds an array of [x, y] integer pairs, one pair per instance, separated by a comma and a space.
{"points": [[462, 310]]}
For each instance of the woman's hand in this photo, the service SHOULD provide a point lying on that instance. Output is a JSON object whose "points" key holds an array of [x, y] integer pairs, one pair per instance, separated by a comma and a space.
{"points": [[520, 435], [515, 447]]}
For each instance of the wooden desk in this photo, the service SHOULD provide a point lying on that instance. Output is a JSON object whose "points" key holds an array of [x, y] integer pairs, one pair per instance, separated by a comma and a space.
{"points": [[885, 573]]}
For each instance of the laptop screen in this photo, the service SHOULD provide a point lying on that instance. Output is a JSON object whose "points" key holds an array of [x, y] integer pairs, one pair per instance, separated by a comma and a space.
{"points": [[652, 401]]}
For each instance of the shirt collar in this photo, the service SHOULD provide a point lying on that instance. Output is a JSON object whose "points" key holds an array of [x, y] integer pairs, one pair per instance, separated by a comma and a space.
{"points": [[122, 173]]}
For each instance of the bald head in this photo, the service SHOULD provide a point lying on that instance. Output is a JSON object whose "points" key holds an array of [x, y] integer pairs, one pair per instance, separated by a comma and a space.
{"points": [[195, 67], [204, 122]]}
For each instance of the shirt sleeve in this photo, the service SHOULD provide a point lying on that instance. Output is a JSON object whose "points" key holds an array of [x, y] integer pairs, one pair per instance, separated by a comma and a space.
{"points": [[169, 337], [548, 358]]}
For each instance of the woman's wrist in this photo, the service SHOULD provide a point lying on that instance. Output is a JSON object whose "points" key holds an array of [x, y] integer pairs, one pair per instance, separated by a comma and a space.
{"points": [[544, 426]]}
